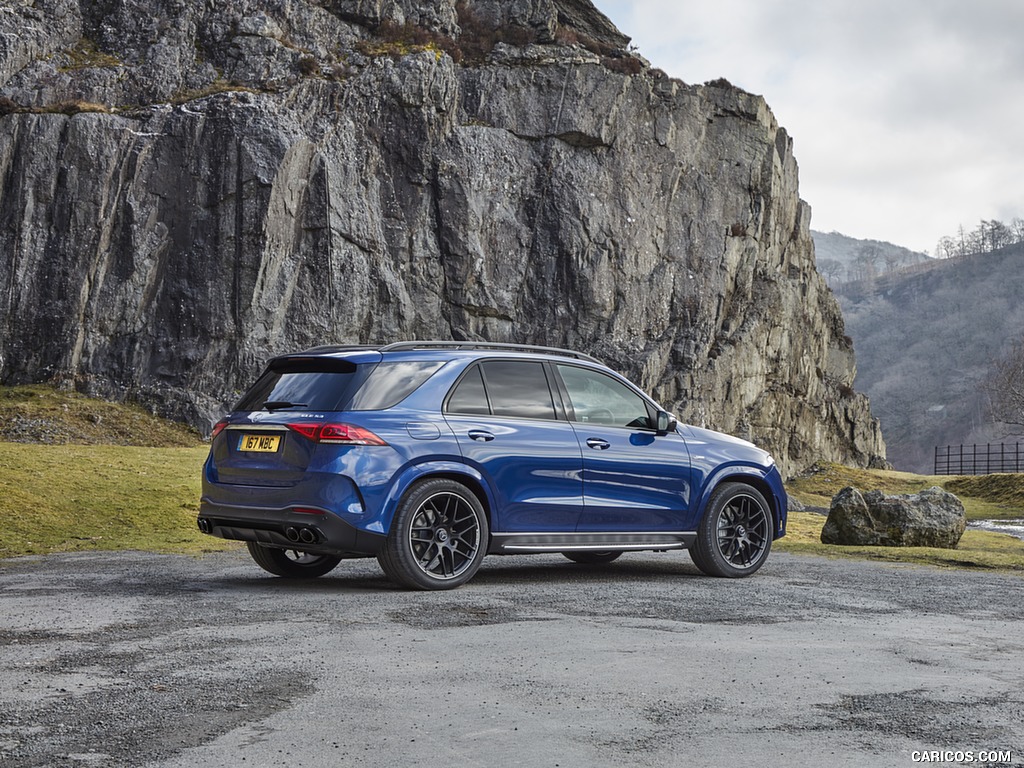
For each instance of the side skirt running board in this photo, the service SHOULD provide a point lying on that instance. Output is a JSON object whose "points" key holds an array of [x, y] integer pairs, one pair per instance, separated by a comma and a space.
{"points": [[519, 543]]}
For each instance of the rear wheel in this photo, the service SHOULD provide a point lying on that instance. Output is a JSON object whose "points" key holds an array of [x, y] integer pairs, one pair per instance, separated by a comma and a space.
{"points": [[735, 535], [592, 558], [291, 563], [438, 537]]}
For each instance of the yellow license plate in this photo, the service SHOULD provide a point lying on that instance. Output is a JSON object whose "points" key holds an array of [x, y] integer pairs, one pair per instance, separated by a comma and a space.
{"points": [[259, 443]]}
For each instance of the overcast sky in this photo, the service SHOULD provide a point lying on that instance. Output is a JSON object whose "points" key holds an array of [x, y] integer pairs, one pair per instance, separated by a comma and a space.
{"points": [[907, 117]]}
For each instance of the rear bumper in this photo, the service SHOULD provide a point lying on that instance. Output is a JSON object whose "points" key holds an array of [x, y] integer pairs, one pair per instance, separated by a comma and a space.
{"points": [[318, 532]]}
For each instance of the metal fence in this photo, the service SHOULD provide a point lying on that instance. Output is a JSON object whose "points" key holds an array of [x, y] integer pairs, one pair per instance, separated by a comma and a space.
{"points": [[978, 459]]}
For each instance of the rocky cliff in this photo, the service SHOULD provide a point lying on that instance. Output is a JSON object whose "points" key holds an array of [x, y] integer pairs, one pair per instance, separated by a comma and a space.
{"points": [[191, 187]]}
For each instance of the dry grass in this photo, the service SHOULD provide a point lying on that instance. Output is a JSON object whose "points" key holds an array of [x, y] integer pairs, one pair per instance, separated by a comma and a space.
{"points": [[41, 414], [977, 549], [988, 497], [85, 55], [984, 497]]}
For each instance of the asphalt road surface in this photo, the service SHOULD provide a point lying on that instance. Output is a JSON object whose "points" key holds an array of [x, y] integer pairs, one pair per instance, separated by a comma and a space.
{"points": [[133, 659]]}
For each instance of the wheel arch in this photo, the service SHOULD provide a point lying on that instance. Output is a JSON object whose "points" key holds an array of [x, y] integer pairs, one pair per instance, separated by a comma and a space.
{"points": [[448, 470], [756, 479]]}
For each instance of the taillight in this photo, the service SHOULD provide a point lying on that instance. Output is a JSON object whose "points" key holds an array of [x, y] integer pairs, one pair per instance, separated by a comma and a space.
{"points": [[218, 428], [306, 429], [338, 434]]}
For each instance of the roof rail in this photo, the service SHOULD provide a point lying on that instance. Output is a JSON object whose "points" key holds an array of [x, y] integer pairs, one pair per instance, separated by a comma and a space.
{"points": [[323, 348], [400, 345]]}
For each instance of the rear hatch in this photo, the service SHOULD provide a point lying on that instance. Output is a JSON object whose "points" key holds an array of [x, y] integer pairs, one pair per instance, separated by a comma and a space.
{"points": [[270, 437]]}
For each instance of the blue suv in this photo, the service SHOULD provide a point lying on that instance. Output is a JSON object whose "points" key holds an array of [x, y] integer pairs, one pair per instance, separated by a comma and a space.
{"points": [[430, 455]]}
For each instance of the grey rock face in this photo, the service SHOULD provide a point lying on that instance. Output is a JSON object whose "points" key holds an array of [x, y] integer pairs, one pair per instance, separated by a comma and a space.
{"points": [[931, 518], [263, 176]]}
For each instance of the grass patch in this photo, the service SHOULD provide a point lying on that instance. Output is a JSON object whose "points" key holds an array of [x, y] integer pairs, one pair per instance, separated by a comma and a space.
{"points": [[70, 107], [66, 498], [40, 414], [86, 55], [220, 85], [83, 474], [1007, 490], [977, 549], [984, 497]]}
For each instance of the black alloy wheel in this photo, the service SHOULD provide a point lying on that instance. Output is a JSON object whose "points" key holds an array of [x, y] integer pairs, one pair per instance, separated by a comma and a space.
{"points": [[735, 534], [438, 537]]}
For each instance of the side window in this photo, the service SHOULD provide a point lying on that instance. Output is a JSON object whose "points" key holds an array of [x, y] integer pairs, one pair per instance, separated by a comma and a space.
{"points": [[390, 383], [600, 399], [469, 396], [518, 388]]}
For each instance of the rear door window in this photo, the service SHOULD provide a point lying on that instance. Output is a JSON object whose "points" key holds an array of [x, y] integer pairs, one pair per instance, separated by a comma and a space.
{"points": [[518, 388], [503, 388]]}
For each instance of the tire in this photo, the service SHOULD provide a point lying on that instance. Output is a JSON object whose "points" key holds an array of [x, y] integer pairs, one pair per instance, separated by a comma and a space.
{"points": [[291, 563], [735, 534], [592, 558], [438, 537]]}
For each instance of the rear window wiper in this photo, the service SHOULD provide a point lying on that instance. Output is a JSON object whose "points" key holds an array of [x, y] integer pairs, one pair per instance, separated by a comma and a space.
{"points": [[277, 405]]}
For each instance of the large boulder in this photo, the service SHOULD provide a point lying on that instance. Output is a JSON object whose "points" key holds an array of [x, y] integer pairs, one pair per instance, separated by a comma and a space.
{"points": [[931, 518]]}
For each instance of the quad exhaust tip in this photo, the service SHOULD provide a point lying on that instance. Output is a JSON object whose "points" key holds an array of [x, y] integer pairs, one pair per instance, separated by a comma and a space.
{"points": [[293, 534], [303, 535]]}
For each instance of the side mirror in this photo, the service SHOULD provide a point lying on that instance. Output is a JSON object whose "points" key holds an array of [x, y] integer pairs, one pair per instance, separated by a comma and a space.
{"points": [[665, 423]]}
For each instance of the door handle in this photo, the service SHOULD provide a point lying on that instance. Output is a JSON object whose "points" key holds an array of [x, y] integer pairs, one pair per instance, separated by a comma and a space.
{"points": [[598, 443], [480, 435]]}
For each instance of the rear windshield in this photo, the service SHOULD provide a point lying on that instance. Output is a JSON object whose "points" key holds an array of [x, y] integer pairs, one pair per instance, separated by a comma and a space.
{"points": [[329, 384], [317, 384]]}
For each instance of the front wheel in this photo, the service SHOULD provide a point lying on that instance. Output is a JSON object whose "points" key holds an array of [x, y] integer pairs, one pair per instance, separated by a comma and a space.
{"points": [[735, 534], [290, 563], [438, 537]]}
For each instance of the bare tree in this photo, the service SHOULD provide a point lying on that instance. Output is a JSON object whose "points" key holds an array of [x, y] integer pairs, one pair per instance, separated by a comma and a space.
{"points": [[991, 235], [986, 237], [946, 248], [1005, 387], [1017, 230]]}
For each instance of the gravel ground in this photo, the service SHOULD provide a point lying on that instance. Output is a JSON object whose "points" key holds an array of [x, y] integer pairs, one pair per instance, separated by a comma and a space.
{"points": [[134, 659]]}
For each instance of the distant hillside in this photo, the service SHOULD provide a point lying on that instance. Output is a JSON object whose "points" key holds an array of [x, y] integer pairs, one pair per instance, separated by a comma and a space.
{"points": [[925, 340], [842, 259]]}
